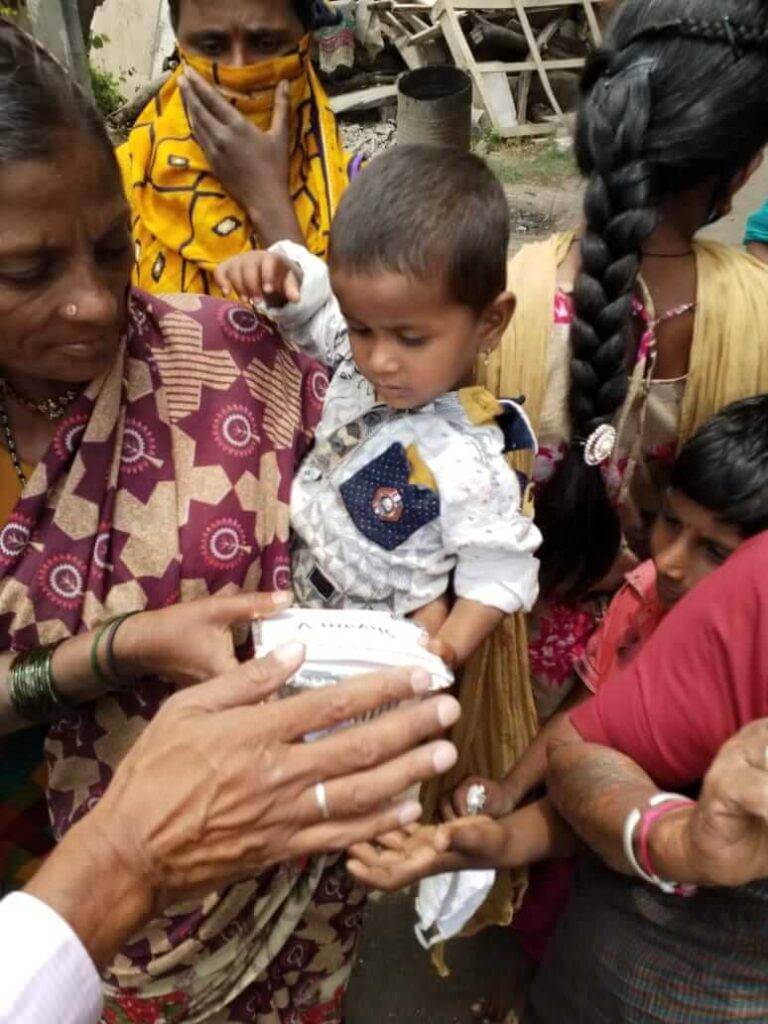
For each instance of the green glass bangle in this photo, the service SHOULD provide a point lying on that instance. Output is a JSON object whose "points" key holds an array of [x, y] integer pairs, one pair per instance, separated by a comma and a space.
{"points": [[97, 671], [111, 679], [119, 682], [32, 689]]}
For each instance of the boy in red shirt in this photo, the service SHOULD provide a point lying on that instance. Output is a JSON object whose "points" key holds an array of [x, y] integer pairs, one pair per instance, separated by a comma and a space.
{"points": [[708, 513]]}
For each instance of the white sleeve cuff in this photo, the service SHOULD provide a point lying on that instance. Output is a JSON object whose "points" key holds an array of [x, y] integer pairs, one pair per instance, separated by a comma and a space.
{"points": [[510, 584], [46, 973]]}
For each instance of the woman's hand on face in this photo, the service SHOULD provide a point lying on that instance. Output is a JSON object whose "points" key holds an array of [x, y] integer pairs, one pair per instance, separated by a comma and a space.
{"points": [[221, 785], [251, 164], [728, 829], [193, 642]]}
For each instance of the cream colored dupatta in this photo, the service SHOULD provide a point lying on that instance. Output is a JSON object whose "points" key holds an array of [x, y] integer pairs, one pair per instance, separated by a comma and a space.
{"points": [[499, 719]]}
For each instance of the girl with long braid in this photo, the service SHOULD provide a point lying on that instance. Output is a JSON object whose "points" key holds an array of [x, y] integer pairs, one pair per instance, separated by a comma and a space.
{"points": [[629, 331]]}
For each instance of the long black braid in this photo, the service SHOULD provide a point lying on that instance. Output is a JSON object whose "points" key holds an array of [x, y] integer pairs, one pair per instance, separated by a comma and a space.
{"points": [[662, 109]]}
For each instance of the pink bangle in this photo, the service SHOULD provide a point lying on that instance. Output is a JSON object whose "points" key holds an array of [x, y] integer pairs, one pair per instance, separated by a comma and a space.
{"points": [[650, 816]]}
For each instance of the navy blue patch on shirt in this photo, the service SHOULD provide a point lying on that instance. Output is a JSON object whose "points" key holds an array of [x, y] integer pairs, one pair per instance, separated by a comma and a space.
{"points": [[383, 505], [516, 428]]}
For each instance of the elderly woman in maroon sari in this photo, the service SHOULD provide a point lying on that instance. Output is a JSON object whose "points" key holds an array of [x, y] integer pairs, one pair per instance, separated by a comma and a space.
{"points": [[147, 447]]}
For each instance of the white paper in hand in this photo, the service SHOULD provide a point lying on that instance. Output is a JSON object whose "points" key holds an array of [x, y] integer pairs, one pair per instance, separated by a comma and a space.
{"points": [[344, 643]]}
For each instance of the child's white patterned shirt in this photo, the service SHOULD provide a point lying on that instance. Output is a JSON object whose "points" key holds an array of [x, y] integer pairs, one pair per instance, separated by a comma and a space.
{"points": [[389, 505]]}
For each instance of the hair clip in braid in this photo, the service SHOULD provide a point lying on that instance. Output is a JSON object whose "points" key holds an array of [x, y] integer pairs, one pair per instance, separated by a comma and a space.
{"points": [[598, 447]]}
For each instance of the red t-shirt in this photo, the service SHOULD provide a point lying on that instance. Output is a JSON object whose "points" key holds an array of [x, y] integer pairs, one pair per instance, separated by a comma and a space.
{"points": [[701, 677], [631, 618]]}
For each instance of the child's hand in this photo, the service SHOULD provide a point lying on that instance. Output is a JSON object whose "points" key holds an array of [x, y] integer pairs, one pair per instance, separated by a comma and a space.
{"points": [[432, 616], [260, 276], [443, 650], [498, 801], [398, 859], [481, 842]]}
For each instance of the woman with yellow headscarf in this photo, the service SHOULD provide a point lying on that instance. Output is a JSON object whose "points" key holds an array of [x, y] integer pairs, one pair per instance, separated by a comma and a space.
{"points": [[239, 148]]}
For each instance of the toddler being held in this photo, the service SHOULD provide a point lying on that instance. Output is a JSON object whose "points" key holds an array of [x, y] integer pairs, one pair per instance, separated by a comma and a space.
{"points": [[408, 487]]}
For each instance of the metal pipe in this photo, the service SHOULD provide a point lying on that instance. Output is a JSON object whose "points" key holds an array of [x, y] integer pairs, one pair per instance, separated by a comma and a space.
{"points": [[434, 106]]}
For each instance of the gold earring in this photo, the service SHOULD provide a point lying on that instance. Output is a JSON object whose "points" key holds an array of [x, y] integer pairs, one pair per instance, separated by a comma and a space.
{"points": [[486, 358]]}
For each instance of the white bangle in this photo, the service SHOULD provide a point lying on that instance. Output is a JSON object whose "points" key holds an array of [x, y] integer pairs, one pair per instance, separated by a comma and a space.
{"points": [[631, 822]]}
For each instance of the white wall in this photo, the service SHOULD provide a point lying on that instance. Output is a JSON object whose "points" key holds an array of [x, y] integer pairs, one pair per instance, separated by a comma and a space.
{"points": [[140, 38]]}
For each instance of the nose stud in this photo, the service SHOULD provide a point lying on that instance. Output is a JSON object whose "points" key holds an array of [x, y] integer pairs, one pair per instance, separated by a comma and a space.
{"points": [[70, 311]]}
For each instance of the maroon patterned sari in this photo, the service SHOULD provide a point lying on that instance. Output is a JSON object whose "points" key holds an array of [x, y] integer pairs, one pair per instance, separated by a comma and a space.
{"points": [[169, 480]]}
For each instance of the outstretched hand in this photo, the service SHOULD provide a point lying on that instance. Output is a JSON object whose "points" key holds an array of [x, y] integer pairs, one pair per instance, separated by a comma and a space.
{"points": [[221, 785], [260, 277], [398, 859]]}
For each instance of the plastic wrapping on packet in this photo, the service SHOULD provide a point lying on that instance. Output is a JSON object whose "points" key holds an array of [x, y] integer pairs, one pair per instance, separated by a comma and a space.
{"points": [[341, 644]]}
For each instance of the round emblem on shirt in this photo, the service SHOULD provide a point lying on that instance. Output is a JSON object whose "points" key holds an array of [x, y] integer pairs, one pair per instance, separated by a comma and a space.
{"points": [[234, 430], [388, 505], [62, 578], [14, 538], [224, 543]]}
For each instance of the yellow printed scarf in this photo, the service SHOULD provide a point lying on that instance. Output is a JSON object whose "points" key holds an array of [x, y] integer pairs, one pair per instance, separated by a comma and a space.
{"points": [[184, 224]]}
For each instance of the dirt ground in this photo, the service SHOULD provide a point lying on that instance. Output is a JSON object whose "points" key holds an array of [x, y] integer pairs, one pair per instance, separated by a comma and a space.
{"points": [[394, 979], [539, 207]]}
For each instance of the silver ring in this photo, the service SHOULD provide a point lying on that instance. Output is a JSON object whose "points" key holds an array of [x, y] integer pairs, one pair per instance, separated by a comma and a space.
{"points": [[477, 798], [321, 796]]}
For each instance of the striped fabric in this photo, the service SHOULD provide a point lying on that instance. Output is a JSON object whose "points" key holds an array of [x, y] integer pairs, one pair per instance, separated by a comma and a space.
{"points": [[625, 953]]}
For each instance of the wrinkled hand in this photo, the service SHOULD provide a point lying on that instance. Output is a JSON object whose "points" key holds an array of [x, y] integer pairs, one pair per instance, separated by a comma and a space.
{"points": [[498, 801], [221, 785], [728, 829], [260, 277], [193, 642], [251, 164]]}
